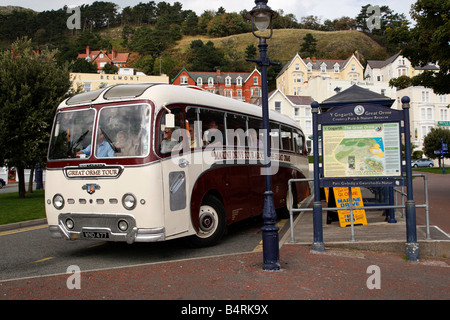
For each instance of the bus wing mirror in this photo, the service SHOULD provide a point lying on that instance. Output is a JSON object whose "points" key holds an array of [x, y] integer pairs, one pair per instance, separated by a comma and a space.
{"points": [[170, 120]]}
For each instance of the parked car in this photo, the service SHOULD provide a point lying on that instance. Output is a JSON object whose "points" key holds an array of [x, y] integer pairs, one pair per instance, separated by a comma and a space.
{"points": [[2, 183], [421, 163]]}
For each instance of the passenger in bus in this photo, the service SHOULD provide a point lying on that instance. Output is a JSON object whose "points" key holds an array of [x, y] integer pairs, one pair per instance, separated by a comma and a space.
{"points": [[104, 148], [213, 136], [193, 139], [167, 144], [254, 141], [124, 145]]}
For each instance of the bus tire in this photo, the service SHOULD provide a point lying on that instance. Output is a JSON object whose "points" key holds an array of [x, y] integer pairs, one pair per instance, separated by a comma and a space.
{"points": [[212, 223]]}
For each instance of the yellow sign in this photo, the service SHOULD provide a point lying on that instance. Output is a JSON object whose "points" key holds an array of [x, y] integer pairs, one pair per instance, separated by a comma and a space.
{"points": [[343, 200]]}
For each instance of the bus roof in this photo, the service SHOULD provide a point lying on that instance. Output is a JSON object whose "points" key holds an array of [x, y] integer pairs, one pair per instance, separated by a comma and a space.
{"points": [[167, 94]]}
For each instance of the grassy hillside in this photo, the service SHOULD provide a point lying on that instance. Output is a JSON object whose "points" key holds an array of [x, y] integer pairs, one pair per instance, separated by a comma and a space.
{"points": [[285, 43]]}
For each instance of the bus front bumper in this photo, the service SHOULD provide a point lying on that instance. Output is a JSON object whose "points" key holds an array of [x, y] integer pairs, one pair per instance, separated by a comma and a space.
{"points": [[106, 228]]}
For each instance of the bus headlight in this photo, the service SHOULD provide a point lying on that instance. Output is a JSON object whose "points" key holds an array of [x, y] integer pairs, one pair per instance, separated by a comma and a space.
{"points": [[58, 201], [129, 201]]}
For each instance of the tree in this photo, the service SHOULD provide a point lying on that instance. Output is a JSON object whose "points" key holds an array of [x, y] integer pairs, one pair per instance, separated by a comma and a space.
{"points": [[83, 66], [432, 142], [205, 57], [309, 45], [31, 86], [110, 68], [428, 42]]}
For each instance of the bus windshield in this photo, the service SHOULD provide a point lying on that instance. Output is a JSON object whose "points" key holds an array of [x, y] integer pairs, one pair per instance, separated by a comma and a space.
{"points": [[122, 131]]}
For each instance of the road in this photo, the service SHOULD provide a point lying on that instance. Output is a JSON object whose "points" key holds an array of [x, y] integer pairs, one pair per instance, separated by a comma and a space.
{"points": [[31, 252], [438, 199]]}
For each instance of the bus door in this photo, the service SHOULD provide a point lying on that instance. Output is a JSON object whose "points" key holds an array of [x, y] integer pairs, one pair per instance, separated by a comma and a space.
{"points": [[177, 169]]}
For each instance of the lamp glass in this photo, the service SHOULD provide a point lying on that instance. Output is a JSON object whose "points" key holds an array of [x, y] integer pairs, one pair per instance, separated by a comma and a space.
{"points": [[261, 21]]}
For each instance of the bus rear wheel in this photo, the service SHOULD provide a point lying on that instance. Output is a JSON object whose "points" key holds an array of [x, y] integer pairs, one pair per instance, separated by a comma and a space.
{"points": [[211, 223]]}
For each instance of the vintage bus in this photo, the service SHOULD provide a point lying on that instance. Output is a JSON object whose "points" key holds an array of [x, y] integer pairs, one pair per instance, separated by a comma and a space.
{"points": [[154, 162]]}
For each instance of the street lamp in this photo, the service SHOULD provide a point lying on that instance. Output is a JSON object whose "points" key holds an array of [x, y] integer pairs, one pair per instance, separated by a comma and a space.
{"points": [[261, 17]]}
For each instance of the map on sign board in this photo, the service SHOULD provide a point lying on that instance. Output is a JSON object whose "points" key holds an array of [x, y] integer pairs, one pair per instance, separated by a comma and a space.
{"points": [[361, 150]]}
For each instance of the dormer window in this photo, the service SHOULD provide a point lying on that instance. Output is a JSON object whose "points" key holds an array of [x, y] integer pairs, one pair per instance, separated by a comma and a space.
{"points": [[239, 81], [323, 68], [184, 80], [336, 68], [309, 67], [199, 81], [211, 82], [228, 81]]}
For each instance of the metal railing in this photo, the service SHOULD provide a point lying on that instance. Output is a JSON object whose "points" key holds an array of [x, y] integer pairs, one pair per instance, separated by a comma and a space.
{"points": [[351, 207]]}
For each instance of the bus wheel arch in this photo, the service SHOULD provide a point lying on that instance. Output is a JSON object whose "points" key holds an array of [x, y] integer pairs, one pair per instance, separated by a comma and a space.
{"points": [[211, 221]]}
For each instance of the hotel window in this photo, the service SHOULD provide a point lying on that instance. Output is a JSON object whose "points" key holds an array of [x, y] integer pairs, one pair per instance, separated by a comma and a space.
{"points": [[297, 67], [336, 68], [229, 93], [211, 81], [425, 96], [199, 81], [426, 113], [296, 111], [323, 68], [255, 92], [278, 106], [308, 112], [443, 114], [239, 81], [255, 81], [309, 67], [184, 80], [239, 94], [228, 81], [87, 86], [402, 72]]}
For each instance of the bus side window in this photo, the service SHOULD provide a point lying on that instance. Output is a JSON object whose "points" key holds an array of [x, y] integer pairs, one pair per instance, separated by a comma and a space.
{"points": [[236, 127], [275, 142], [286, 138], [298, 142], [167, 139], [195, 127], [212, 127], [255, 137]]}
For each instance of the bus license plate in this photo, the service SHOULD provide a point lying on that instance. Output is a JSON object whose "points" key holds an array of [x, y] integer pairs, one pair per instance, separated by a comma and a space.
{"points": [[95, 235]]}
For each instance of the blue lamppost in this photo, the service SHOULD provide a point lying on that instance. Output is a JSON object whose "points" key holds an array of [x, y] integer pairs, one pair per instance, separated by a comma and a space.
{"points": [[261, 17]]}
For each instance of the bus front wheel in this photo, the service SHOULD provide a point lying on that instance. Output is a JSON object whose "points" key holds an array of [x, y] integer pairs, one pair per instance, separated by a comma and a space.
{"points": [[211, 223]]}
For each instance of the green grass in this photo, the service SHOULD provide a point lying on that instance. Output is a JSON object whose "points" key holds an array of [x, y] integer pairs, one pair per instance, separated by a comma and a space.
{"points": [[13, 209], [433, 170]]}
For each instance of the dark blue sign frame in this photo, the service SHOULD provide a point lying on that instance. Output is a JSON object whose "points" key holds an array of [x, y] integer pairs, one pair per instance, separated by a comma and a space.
{"points": [[358, 114]]}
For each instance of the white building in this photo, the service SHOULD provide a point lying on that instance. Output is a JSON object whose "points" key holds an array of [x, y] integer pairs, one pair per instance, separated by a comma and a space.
{"points": [[296, 107], [427, 110]]}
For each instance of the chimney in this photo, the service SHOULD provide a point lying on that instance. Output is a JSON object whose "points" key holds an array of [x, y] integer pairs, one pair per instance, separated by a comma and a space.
{"points": [[218, 72], [88, 51], [114, 54], [314, 60]]}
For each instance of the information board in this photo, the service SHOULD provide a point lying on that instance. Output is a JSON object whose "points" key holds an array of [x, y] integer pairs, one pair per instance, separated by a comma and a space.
{"points": [[361, 150]]}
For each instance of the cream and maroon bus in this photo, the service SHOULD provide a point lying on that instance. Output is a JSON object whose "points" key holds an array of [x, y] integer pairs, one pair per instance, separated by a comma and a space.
{"points": [[154, 162]]}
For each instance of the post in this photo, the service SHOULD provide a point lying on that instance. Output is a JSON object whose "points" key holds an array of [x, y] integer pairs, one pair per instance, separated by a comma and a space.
{"points": [[318, 244], [271, 251], [412, 247], [443, 155]]}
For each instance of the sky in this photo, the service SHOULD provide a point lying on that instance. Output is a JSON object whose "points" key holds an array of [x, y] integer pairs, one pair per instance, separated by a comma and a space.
{"points": [[325, 9]]}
